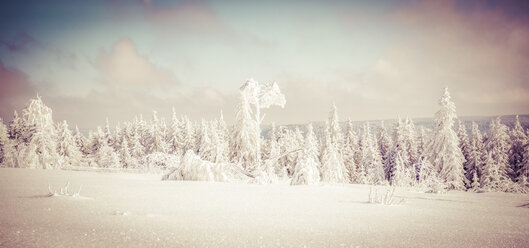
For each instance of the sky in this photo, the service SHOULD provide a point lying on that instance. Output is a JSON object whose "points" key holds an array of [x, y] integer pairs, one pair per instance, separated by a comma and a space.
{"points": [[92, 60]]}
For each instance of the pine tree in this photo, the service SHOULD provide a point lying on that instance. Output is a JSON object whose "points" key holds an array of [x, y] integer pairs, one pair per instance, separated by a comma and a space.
{"points": [[38, 117], [475, 186], [385, 144], [335, 132], [244, 147], [307, 167], [371, 160], [351, 151], [464, 146], [125, 158], [443, 148], [399, 149], [477, 154], [411, 142], [176, 136], [5, 145], [206, 150], [106, 157], [157, 135], [333, 168], [516, 152], [524, 166], [496, 170], [66, 147], [404, 176]]}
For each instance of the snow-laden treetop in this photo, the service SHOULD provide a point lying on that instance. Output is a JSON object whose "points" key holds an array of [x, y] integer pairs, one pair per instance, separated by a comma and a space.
{"points": [[262, 95]]}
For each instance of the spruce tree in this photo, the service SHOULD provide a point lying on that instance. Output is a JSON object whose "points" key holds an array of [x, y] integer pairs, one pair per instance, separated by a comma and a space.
{"points": [[443, 148], [516, 152]]}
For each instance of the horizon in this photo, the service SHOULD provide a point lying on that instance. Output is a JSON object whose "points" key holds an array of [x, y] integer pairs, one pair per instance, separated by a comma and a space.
{"points": [[110, 59]]}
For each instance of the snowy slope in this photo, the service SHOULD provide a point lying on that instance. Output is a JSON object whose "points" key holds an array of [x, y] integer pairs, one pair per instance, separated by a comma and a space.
{"points": [[132, 210]]}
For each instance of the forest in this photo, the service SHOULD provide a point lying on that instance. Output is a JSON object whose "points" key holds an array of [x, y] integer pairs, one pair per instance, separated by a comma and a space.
{"points": [[444, 157]]}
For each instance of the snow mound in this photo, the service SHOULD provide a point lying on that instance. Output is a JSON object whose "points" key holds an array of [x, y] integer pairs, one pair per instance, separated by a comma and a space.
{"points": [[306, 172], [193, 168]]}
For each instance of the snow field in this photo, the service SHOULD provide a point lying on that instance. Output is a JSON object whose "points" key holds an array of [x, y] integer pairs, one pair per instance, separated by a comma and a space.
{"points": [[140, 210]]}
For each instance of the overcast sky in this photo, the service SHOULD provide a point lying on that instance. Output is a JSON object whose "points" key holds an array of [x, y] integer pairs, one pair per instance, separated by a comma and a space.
{"points": [[93, 59]]}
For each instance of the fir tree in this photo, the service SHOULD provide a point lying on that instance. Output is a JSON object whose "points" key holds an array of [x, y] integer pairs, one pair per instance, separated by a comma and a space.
{"points": [[496, 170], [351, 151], [333, 168], [477, 154], [464, 145], [516, 152], [443, 148], [371, 160]]}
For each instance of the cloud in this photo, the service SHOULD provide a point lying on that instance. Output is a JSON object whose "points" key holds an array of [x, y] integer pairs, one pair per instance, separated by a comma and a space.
{"points": [[123, 67], [192, 18], [15, 90]]}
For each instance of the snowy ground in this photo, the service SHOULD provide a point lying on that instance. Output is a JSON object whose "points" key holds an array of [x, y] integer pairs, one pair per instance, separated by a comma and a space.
{"points": [[134, 210]]}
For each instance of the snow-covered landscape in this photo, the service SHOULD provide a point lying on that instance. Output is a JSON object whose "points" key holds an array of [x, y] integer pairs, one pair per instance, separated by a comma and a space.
{"points": [[121, 210], [209, 123]]}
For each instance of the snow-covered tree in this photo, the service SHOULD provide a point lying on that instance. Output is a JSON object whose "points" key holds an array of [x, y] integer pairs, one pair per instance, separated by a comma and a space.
{"points": [[158, 136], [5, 145], [125, 158], [411, 142], [443, 148], [189, 135], [38, 117], [307, 167], [384, 145], [206, 149], [332, 167], [371, 160], [475, 186], [477, 154], [106, 157], [524, 166], [220, 144], [176, 136], [403, 175], [464, 145], [351, 153], [496, 170], [246, 145], [288, 142], [66, 146], [516, 153]]}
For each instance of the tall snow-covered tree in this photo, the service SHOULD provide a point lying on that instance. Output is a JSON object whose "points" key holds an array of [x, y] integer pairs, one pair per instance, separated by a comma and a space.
{"points": [[254, 96], [189, 135], [477, 154], [403, 175], [206, 149], [411, 142], [176, 136], [66, 146], [106, 157], [443, 148], [307, 166], [516, 152], [464, 145], [496, 170], [43, 140], [524, 166], [332, 167], [125, 158], [384, 145], [351, 153], [335, 132], [5, 145], [371, 160], [157, 135]]}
